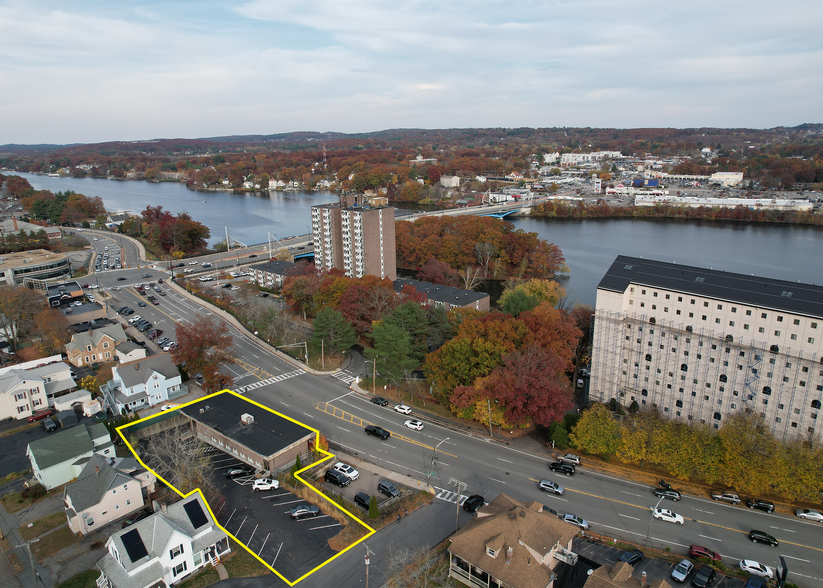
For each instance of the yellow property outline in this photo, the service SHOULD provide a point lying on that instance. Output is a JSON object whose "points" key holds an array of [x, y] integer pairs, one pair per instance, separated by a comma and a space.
{"points": [[327, 456]]}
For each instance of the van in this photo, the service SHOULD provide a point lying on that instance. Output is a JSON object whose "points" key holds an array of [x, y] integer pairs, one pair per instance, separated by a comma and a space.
{"points": [[233, 274], [580, 383], [362, 500]]}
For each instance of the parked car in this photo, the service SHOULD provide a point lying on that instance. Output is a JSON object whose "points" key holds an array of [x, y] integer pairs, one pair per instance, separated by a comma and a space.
{"points": [[473, 502], [154, 333], [41, 414], [698, 551], [562, 467], [303, 512], [265, 484], [755, 582], [388, 488], [362, 500], [664, 514], [550, 486], [632, 556], [238, 472], [576, 521], [760, 504], [379, 401], [169, 346], [336, 477], [682, 570], [134, 319], [416, 425], [755, 568], [403, 409], [722, 496], [809, 514], [762, 537], [377, 432], [48, 425], [704, 577], [346, 469], [138, 516], [144, 327], [570, 458], [670, 494]]}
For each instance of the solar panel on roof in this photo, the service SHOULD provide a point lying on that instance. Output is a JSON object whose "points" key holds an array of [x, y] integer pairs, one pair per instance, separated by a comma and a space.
{"points": [[134, 545], [196, 514]]}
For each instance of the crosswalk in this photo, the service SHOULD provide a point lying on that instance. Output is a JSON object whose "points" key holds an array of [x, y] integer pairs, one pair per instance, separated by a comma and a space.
{"points": [[344, 377], [449, 496], [266, 382]]}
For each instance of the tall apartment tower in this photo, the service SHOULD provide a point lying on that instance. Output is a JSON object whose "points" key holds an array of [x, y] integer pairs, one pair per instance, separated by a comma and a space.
{"points": [[699, 345], [356, 239]]}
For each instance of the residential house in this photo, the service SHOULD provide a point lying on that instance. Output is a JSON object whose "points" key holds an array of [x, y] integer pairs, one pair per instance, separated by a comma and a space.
{"points": [[164, 548], [116, 219], [271, 274], [512, 543], [143, 383], [450, 181], [25, 391], [619, 576], [100, 495], [128, 351], [97, 345], [445, 296], [60, 457]]}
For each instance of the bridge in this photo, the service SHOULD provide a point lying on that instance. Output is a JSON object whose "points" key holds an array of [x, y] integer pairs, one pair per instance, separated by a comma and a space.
{"points": [[501, 213]]}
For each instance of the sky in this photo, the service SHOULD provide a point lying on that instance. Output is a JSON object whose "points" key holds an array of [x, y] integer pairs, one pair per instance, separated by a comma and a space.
{"points": [[91, 71]]}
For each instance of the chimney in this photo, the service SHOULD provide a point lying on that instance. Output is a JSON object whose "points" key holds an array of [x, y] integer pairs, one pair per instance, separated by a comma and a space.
{"points": [[97, 470], [509, 555], [643, 579], [163, 508], [14, 218]]}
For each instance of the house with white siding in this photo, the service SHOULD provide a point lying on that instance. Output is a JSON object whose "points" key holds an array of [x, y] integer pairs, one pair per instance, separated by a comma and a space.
{"points": [[60, 457]]}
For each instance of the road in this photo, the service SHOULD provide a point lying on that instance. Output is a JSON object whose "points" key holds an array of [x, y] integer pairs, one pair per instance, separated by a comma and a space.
{"points": [[615, 507]]}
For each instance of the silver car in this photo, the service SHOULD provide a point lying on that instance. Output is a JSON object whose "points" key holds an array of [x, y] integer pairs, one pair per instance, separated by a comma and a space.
{"points": [[550, 486], [809, 514], [576, 521], [682, 570]]}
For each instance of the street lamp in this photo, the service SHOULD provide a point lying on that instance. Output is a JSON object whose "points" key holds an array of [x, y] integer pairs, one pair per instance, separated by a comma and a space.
{"points": [[431, 464], [490, 415]]}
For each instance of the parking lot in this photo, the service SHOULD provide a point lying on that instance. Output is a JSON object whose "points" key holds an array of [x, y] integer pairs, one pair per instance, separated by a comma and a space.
{"points": [[261, 521]]}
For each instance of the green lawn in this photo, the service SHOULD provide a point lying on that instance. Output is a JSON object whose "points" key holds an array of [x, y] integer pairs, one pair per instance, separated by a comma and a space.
{"points": [[202, 579], [53, 542], [242, 564], [40, 526]]}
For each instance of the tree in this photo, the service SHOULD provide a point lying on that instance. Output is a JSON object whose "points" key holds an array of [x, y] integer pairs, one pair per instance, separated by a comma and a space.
{"points": [[596, 432], [204, 346], [373, 512], [541, 290], [17, 308], [411, 318], [518, 302], [90, 383], [393, 352], [182, 460], [471, 277], [333, 330], [438, 272], [52, 330], [412, 568], [558, 435]]}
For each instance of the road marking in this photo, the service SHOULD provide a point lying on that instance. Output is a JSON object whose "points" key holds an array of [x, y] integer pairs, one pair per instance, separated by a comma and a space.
{"points": [[264, 544], [496, 480], [506, 460], [230, 516], [671, 542], [252, 534], [704, 511], [628, 517], [797, 558], [283, 403], [308, 415], [618, 529], [237, 532], [326, 527], [711, 538], [276, 554], [342, 429], [787, 530], [629, 493]]}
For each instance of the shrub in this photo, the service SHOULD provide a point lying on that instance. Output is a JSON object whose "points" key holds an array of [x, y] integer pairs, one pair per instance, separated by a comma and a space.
{"points": [[373, 512], [34, 492]]}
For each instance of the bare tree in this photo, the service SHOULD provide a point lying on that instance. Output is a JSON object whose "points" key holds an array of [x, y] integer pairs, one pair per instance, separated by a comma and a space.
{"points": [[412, 567], [472, 277], [17, 307], [484, 252], [181, 459]]}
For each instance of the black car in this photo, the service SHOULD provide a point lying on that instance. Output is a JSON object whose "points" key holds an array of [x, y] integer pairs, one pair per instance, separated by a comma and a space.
{"points": [[238, 472], [48, 425], [562, 467], [472, 503], [379, 401], [121, 279], [145, 327], [338, 478], [670, 494], [305, 511], [388, 488], [377, 432], [762, 537], [760, 504], [632, 556], [128, 312], [362, 500], [704, 577]]}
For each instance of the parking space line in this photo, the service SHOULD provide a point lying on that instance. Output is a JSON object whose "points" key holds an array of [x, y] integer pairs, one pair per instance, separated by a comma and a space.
{"points": [[264, 544], [290, 502], [237, 532], [247, 542], [326, 527], [230, 516], [276, 554]]}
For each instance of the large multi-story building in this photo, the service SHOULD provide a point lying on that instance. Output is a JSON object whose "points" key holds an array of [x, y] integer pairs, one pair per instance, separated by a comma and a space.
{"points": [[699, 345], [37, 264], [356, 239]]}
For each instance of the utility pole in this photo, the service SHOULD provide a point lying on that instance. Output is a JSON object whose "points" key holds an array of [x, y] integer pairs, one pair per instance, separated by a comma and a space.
{"points": [[27, 545], [367, 565], [651, 518], [374, 375], [490, 417], [431, 465], [323, 353], [460, 485]]}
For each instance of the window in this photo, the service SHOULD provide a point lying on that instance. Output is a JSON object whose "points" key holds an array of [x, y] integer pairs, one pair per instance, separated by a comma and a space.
{"points": [[779, 319], [761, 330], [797, 321], [643, 292], [717, 320], [705, 304], [684, 367], [179, 569], [679, 404], [815, 404], [654, 294], [774, 349], [692, 301], [719, 307], [794, 337], [777, 333], [762, 315], [648, 357], [704, 317], [105, 344], [717, 416], [796, 411], [745, 327], [767, 390], [734, 309], [814, 325], [723, 378], [748, 313], [174, 552], [811, 339], [680, 299]]}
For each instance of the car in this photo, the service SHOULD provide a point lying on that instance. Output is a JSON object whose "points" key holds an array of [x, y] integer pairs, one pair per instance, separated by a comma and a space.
{"points": [[139, 516], [416, 425], [142, 304], [632, 556], [704, 577], [570, 458], [265, 484], [94, 287], [756, 568], [682, 570], [144, 327], [146, 276], [135, 319], [206, 264], [78, 303], [362, 500], [755, 582], [238, 472], [162, 341], [48, 424], [304, 512], [550, 486], [154, 333], [345, 468], [193, 263], [338, 478], [227, 285], [670, 494], [377, 432], [169, 346], [576, 521], [760, 504], [388, 488], [809, 514], [155, 302], [169, 406], [40, 415], [161, 292], [150, 297], [121, 279], [128, 312], [729, 497], [664, 514], [698, 551], [95, 238], [473, 502], [160, 281], [762, 537], [562, 467], [252, 256], [188, 270], [402, 409], [379, 401], [92, 298], [549, 509]]}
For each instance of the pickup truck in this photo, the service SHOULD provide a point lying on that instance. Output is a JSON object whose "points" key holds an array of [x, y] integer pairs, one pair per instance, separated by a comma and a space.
{"points": [[729, 497]]}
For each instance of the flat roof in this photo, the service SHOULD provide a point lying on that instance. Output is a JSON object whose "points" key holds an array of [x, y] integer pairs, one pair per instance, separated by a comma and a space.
{"points": [[793, 297], [439, 293], [33, 257], [268, 435]]}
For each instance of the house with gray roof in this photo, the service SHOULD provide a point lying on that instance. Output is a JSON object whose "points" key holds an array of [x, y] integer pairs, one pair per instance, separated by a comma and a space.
{"points": [[143, 383], [128, 351], [164, 548], [60, 457], [100, 495], [270, 274], [95, 345], [446, 296], [25, 391]]}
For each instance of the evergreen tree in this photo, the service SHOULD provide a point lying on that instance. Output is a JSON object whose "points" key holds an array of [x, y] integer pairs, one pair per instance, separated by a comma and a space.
{"points": [[332, 331], [392, 351]]}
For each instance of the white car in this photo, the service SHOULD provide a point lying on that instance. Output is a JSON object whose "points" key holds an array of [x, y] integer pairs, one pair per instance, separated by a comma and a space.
{"points": [[192, 263], [168, 406], [756, 568], [416, 425], [265, 484], [664, 514], [809, 514], [169, 346], [347, 470], [402, 408], [93, 287], [91, 298], [134, 319]]}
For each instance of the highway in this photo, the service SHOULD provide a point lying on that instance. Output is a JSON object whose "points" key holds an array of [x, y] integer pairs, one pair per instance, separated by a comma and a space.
{"points": [[614, 507]]}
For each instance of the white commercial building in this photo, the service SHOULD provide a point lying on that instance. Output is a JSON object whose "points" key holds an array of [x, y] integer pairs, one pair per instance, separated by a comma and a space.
{"points": [[698, 345], [652, 198]]}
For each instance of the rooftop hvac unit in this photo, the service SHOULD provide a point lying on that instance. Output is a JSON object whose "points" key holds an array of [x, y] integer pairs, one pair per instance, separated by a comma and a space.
{"points": [[246, 419]]}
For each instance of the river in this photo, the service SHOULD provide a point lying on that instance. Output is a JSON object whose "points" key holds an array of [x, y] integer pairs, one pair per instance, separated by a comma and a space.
{"points": [[589, 246]]}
